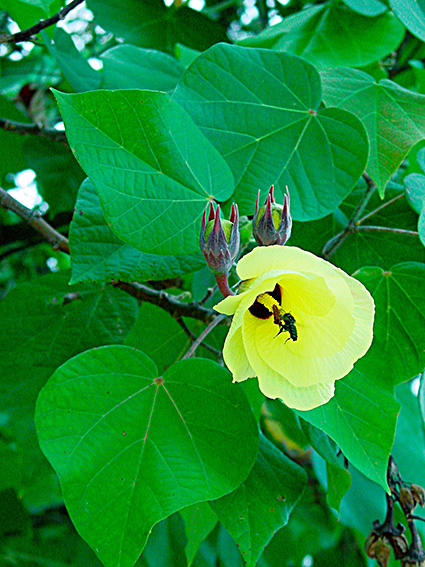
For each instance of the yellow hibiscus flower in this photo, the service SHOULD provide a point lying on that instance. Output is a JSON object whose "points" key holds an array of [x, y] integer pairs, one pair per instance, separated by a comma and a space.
{"points": [[299, 324]]}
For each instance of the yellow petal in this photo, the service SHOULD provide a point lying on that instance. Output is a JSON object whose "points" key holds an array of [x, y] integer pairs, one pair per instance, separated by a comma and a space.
{"points": [[274, 385], [235, 357], [265, 258]]}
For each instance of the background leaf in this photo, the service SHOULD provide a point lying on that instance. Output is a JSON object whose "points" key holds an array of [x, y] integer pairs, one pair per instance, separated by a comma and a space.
{"points": [[393, 117], [271, 130], [153, 169], [132, 67], [399, 328], [263, 503], [361, 418], [97, 254], [133, 426], [412, 14], [330, 35], [199, 521], [44, 323], [366, 7]]}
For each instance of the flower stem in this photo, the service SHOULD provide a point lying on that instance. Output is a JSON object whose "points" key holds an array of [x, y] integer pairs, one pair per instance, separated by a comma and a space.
{"points": [[223, 284]]}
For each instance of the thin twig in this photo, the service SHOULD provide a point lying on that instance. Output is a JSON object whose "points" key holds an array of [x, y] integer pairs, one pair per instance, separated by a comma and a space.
{"points": [[192, 337], [25, 35], [386, 229], [167, 302], [30, 129], [335, 242], [210, 293], [390, 202], [203, 335], [33, 218]]}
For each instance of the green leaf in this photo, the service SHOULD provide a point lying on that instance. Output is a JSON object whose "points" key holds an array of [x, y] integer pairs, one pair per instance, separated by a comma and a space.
{"points": [[166, 545], [150, 24], [338, 478], [399, 328], [375, 248], [422, 397], [131, 67], [421, 225], [37, 69], [361, 419], [366, 7], [130, 448], [77, 71], [412, 14], [55, 166], [339, 482], [263, 503], [26, 13], [272, 130], [153, 169], [415, 184], [13, 158], [330, 35], [199, 521], [393, 117], [98, 255], [44, 323]]}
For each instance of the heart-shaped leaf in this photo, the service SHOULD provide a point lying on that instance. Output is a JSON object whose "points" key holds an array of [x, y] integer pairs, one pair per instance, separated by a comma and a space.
{"points": [[394, 117], [152, 167], [412, 14], [271, 130], [97, 254], [131, 448]]}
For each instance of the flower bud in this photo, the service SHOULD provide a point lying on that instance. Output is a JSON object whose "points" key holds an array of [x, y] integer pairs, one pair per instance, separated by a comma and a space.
{"points": [[418, 494], [370, 544], [399, 544], [382, 551], [406, 500], [272, 223], [219, 240]]}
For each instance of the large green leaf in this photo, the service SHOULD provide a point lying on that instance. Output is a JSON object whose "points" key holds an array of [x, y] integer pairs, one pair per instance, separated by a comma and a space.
{"points": [[132, 67], [393, 117], [131, 448], [271, 130], [152, 167], [97, 254], [150, 24], [44, 323], [263, 503], [329, 35], [78, 72], [412, 14], [399, 329], [361, 418]]}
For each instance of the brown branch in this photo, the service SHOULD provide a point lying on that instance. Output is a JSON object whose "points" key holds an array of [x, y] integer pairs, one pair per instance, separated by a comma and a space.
{"points": [[335, 242], [33, 218], [25, 35], [193, 338], [218, 319], [167, 302], [30, 129], [385, 229]]}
